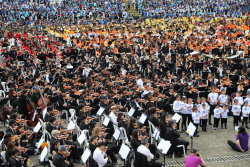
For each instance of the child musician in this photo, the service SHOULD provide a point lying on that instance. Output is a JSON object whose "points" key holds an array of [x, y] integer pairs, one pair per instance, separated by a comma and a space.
{"points": [[178, 107], [224, 116], [217, 115], [190, 109], [196, 120], [236, 109], [184, 114], [245, 113], [204, 113], [223, 98]]}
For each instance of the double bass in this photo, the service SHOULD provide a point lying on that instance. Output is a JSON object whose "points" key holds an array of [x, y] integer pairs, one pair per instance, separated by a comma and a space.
{"points": [[32, 110]]}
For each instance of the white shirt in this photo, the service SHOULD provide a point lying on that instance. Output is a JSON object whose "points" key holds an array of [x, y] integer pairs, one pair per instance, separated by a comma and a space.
{"points": [[113, 118], [189, 110], [145, 151], [177, 106], [240, 100], [248, 100], [185, 110], [86, 71], [199, 106], [213, 98], [225, 113], [236, 108], [217, 113], [245, 111], [196, 117], [47, 78], [98, 156], [223, 99], [204, 113], [140, 83], [146, 92]]}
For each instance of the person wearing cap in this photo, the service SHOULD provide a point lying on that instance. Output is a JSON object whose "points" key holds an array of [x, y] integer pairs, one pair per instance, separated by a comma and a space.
{"points": [[22, 107], [99, 155], [144, 149], [194, 159], [58, 159], [112, 115]]}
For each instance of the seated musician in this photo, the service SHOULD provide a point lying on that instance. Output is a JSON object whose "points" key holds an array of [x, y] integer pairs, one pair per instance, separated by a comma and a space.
{"points": [[58, 160], [10, 127], [99, 155], [84, 124], [135, 104], [7, 138], [154, 117], [47, 115], [49, 125], [54, 147], [12, 161]]}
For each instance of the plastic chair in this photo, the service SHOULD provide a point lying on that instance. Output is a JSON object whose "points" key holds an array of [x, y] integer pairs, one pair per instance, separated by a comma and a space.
{"points": [[2, 93], [124, 135], [178, 146], [151, 132], [3, 156], [4, 86], [51, 163]]}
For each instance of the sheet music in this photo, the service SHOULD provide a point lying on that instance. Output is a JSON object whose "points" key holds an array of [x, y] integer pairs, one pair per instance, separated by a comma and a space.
{"points": [[117, 133], [100, 111], [143, 118], [156, 133], [164, 146], [106, 121], [81, 138], [44, 113], [40, 142], [33, 118], [124, 151], [44, 153], [191, 129], [71, 125], [37, 127], [131, 112], [176, 117], [85, 155]]}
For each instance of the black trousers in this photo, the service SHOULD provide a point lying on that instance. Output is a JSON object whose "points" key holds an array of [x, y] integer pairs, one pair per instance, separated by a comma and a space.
{"points": [[236, 120], [233, 145], [223, 121], [178, 123], [204, 124], [244, 121], [181, 142], [216, 122], [184, 121], [212, 107], [189, 118], [196, 125], [108, 165]]}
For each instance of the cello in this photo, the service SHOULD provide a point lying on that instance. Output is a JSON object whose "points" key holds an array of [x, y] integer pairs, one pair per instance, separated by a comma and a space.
{"points": [[31, 108]]}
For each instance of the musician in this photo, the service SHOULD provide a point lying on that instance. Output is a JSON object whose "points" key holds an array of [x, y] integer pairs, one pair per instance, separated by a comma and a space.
{"points": [[212, 99], [187, 91], [104, 103], [154, 117], [140, 81], [178, 107], [220, 70], [49, 125], [10, 127], [48, 114], [135, 104], [58, 160], [99, 157], [22, 107], [63, 101], [84, 124], [12, 160]]}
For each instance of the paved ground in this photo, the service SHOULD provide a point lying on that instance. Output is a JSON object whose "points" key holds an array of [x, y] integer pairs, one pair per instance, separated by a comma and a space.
{"points": [[212, 145]]}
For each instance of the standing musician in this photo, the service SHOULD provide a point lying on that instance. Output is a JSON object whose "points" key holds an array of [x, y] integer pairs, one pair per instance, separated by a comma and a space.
{"points": [[22, 107]]}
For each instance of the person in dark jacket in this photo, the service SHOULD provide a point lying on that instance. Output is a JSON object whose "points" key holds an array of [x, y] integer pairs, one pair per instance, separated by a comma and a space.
{"points": [[173, 135], [154, 117], [84, 124], [12, 161], [49, 126], [58, 159], [22, 107]]}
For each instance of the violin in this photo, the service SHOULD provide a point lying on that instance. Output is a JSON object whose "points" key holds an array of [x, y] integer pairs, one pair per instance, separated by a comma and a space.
{"points": [[193, 90], [16, 137], [20, 158], [135, 125], [66, 87], [21, 121], [65, 79], [66, 154]]}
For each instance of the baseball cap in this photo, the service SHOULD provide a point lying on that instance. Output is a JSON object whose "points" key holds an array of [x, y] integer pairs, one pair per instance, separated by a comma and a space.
{"points": [[34, 88], [63, 148], [193, 151]]}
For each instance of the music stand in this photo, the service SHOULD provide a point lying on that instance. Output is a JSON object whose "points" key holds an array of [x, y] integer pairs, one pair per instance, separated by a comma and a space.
{"points": [[163, 148], [180, 72], [123, 153], [171, 65], [2, 103], [191, 130], [234, 78], [237, 66], [204, 75], [213, 69], [176, 87], [199, 66]]}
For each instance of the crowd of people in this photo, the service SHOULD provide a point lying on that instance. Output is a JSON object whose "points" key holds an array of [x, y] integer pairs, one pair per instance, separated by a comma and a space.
{"points": [[188, 58]]}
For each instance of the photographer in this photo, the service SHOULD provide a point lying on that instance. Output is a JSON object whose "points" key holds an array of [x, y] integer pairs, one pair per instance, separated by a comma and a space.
{"points": [[194, 159]]}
